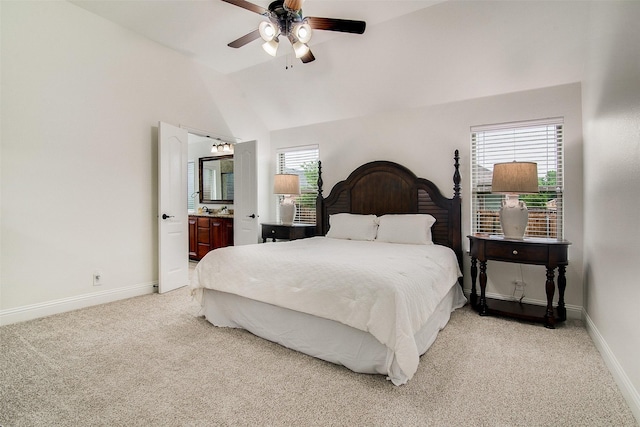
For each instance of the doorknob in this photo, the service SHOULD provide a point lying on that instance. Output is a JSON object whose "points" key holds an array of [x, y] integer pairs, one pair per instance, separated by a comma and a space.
{"points": [[165, 216], [252, 216]]}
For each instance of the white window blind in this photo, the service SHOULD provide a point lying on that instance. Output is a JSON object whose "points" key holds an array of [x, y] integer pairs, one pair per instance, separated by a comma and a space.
{"points": [[539, 141], [302, 161], [191, 185]]}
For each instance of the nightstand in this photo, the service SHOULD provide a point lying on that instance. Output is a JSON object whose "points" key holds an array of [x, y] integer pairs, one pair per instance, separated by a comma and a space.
{"points": [[287, 232], [551, 253]]}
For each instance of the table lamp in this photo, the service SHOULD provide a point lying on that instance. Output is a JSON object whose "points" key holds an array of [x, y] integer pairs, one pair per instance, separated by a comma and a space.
{"points": [[512, 179], [287, 185]]}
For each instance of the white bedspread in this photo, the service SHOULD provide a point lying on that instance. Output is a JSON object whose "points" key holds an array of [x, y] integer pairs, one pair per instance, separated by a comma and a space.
{"points": [[386, 289]]}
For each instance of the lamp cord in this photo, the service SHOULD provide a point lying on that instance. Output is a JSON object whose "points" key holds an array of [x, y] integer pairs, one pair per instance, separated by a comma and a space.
{"points": [[513, 295]]}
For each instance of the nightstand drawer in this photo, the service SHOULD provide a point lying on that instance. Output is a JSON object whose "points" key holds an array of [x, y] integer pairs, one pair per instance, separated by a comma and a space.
{"points": [[515, 252], [287, 232], [274, 232]]}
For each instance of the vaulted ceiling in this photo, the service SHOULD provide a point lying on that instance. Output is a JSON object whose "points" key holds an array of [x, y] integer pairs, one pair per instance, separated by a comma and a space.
{"points": [[202, 29], [413, 53]]}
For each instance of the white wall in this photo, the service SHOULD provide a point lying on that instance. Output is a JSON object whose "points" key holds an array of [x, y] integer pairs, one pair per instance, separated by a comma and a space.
{"points": [[424, 139], [81, 99], [611, 95]]}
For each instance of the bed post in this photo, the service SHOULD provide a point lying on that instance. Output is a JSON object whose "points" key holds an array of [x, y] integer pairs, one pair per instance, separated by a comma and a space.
{"points": [[456, 175], [320, 204], [457, 214]]}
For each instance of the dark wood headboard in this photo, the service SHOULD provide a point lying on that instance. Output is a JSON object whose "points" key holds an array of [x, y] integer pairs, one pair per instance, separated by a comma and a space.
{"points": [[383, 187]]}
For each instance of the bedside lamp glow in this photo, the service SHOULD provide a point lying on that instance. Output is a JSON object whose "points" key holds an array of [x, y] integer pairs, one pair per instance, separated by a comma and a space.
{"points": [[287, 185], [513, 179]]}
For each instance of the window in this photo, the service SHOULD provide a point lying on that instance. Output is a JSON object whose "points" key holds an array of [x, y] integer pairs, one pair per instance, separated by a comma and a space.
{"points": [[537, 141], [302, 161], [191, 186]]}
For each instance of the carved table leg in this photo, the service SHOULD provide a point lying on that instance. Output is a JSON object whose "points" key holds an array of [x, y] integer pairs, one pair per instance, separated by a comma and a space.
{"points": [[562, 284], [549, 318], [483, 285], [474, 275]]}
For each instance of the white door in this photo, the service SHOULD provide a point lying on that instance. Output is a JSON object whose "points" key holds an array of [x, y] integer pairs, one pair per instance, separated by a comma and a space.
{"points": [[173, 227], [245, 201]]}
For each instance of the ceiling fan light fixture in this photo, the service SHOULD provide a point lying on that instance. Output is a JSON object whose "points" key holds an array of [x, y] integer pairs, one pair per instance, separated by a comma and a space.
{"points": [[285, 18], [300, 49], [267, 31], [303, 32], [271, 47]]}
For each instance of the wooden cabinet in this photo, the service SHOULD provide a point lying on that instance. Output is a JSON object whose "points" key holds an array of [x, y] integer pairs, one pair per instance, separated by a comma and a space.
{"points": [[221, 232], [203, 237], [208, 233], [193, 224]]}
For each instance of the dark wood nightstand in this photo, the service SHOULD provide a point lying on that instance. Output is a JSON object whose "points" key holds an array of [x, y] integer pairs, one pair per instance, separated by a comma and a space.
{"points": [[287, 232], [551, 253]]}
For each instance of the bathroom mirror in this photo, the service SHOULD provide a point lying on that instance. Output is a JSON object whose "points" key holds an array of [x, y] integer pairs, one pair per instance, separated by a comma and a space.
{"points": [[216, 179]]}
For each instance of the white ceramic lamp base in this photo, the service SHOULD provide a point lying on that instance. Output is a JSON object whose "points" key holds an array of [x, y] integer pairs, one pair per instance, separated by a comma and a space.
{"points": [[287, 213], [514, 217]]}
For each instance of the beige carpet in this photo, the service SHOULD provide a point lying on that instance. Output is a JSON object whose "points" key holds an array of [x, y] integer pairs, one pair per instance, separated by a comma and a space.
{"points": [[152, 361]]}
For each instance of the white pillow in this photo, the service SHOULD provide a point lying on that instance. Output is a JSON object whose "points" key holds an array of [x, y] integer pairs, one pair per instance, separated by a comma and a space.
{"points": [[412, 229], [352, 226]]}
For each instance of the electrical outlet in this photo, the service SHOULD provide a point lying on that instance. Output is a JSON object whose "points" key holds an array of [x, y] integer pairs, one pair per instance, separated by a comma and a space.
{"points": [[97, 279]]}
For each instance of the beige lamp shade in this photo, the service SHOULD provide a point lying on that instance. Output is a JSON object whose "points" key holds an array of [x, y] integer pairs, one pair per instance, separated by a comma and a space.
{"points": [[515, 178], [288, 184]]}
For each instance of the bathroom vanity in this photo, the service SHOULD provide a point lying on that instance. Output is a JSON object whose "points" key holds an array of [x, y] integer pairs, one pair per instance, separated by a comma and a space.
{"points": [[208, 232]]}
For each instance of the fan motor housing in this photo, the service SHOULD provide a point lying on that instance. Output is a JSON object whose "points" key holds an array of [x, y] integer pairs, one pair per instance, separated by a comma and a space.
{"points": [[283, 17]]}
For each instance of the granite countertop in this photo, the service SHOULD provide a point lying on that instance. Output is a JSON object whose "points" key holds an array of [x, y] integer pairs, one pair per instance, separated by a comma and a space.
{"points": [[211, 215]]}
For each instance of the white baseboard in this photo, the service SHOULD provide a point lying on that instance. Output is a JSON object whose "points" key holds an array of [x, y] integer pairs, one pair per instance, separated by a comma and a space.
{"points": [[573, 311], [35, 311], [631, 395]]}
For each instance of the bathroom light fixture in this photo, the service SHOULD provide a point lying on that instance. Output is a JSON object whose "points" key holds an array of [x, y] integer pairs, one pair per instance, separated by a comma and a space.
{"points": [[221, 146], [512, 179], [287, 185]]}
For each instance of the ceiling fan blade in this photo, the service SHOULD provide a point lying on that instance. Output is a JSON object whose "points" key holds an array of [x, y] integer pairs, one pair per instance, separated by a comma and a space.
{"points": [[307, 57], [249, 6], [332, 24], [293, 4], [247, 38]]}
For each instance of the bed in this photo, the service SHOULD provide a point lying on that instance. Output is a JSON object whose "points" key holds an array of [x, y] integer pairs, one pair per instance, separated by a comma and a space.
{"points": [[370, 291]]}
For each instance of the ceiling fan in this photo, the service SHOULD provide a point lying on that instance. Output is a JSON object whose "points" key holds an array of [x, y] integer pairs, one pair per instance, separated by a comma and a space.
{"points": [[286, 20]]}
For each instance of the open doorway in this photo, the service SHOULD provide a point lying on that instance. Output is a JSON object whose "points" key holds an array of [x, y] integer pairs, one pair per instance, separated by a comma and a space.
{"points": [[222, 178], [216, 178]]}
